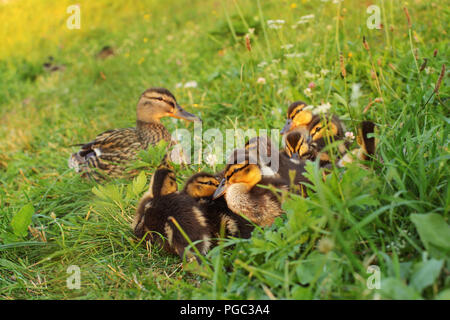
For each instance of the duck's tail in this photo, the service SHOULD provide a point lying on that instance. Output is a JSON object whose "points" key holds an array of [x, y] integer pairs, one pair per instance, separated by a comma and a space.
{"points": [[86, 163]]}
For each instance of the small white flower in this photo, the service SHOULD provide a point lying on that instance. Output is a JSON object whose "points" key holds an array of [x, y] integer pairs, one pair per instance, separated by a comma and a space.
{"points": [[294, 55], [308, 92], [356, 94], [323, 108], [262, 64], [324, 72], [349, 135], [211, 159], [284, 72], [275, 24], [179, 85], [309, 75], [307, 17], [287, 46], [261, 80], [191, 84]]}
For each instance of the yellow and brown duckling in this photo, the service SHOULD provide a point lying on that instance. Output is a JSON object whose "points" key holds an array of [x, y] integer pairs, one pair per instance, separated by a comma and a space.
{"points": [[307, 144], [245, 197], [277, 163], [111, 151], [221, 220], [366, 144], [160, 206], [298, 117]]}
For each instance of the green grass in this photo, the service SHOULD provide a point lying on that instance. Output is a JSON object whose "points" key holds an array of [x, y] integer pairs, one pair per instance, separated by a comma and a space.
{"points": [[394, 216]]}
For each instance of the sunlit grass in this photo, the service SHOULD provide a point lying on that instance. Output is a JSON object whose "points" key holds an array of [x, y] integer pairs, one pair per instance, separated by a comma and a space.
{"points": [[324, 244]]}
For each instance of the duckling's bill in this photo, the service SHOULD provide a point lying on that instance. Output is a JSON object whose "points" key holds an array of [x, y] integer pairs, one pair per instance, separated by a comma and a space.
{"points": [[287, 126], [220, 189]]}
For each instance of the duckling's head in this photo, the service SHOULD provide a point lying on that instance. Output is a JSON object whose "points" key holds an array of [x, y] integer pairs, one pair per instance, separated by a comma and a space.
{"points": [[297, 115], [201, 185], [157, 103], [324, 127], [261, 144], [163, 182], [244, 174], [297, 144]]}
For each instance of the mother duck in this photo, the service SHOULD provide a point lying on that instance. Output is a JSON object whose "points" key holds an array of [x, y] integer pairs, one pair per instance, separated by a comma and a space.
{"points": [[110, 153]]}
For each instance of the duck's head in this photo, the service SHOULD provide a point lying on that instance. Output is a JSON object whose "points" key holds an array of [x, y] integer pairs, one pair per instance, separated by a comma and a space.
{"points": [[261, 145], [324, 127], [201, 185], [245, 174], [297, 144], [157, 103], [163, 182], [297, 115]]}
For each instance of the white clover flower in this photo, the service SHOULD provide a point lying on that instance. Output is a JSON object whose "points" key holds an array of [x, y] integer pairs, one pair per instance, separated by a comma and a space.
{"points": [[275, 24], [356, 93], [262, 64], [303, 20], [287, 46], [261, 80], [211, 159], [307, 17], [309, 75], [429, 70], [308, 92], [179, 85], [284, 72], [294, 55], [190, 84], [324, 72], [323, 108], [349, 135]]}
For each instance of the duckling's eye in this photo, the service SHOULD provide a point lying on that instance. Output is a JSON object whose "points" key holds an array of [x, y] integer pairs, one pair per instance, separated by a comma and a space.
{"points": [[159, 98]]}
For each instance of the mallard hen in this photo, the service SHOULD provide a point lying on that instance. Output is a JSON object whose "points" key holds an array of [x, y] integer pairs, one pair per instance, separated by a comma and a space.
{"points": [[110, 153]]}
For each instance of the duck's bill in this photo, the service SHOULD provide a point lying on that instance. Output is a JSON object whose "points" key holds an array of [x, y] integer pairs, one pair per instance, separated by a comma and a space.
{"points": [[220, 190], [180, 113], [287, 126]]}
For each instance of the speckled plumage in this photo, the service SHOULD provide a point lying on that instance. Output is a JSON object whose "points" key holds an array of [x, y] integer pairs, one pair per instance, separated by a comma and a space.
{"points": [[219, 216], [111, 152], [157, 210], [259, 205]]}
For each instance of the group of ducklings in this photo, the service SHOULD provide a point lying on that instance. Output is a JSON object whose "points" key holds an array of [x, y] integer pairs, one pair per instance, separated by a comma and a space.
{"points": [[226, 204]]}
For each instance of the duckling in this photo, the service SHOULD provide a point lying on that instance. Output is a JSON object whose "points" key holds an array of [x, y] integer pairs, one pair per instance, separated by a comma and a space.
{"points": [[111, 151], [244, 197], [160, 206], [298, 117], [201, 186], [105, 52], [366, 148], [324, 129], [274, 163]]}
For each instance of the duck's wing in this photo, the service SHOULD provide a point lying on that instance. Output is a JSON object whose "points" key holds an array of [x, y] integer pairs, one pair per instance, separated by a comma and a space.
{"points": [[107, 152]]}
